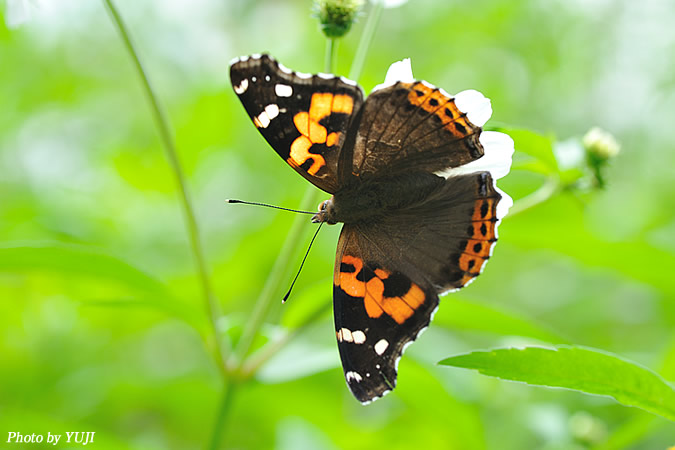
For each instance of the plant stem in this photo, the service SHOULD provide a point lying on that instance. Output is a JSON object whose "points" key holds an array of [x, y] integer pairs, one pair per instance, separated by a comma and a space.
{"points": [[330, 63], [224, 408], [210, 301], [366, 39], [255, 362], [279, 270], [547, 190]]}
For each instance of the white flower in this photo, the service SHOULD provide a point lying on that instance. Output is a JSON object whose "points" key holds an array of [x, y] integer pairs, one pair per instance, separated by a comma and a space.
{"points": [[390, 3], [498, 147], [398, 71]]}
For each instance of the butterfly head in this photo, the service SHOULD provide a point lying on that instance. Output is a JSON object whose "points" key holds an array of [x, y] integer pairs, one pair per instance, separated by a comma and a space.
{"points": [[326, 212]]}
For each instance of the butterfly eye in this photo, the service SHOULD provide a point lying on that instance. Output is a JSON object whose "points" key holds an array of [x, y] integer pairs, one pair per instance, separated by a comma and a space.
{"points": [[322, 205]]}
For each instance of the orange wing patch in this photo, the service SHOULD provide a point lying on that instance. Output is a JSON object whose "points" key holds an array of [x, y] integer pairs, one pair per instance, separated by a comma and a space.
{"points": [[471, 263], [383, 293], [434, 101], [482, 230], [322, 105], [485, 209], [482, 237], [478, 248], [418, 93]]}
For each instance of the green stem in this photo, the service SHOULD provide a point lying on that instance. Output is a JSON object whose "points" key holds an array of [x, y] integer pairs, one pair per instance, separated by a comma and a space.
{"points": [[545, 192], [330, 63], [366, 39], [277, 274], [210, 301], [255, 362], [224, 408]]}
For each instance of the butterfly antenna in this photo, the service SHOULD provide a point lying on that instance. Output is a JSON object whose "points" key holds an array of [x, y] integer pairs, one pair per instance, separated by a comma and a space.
{"points": [[230, 200], [301, 264]]}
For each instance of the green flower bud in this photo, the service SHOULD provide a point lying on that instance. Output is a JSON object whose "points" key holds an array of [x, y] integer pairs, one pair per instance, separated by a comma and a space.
{"points": [[600, 146], [336, 17]]}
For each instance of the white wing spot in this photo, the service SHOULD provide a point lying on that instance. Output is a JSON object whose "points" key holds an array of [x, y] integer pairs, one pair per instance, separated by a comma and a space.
{"points": [[264, 118], [359, 337], [267, 78], [346, 335], [283, 90], [303, 75], [272, 111], [242, 87], [254, 79], [351, 375], [381, 346]]}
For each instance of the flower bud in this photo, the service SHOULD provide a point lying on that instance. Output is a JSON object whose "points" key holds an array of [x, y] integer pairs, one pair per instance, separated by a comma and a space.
{"points": [[601, 144], [336, 17]]}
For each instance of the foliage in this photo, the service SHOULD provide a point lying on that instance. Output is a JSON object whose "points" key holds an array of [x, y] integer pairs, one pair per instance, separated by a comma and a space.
{"points": [[108, 326], [576, 368]]}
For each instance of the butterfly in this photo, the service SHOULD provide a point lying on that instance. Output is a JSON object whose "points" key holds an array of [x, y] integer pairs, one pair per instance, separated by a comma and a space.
{"points": [[412, 177]]}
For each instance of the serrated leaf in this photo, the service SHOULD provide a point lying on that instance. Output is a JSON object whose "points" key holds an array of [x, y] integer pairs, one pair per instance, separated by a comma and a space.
{"points": [[577, 368]]}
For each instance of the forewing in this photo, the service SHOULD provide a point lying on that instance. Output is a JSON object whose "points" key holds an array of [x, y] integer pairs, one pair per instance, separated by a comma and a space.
{"points": [[416, 126], [303, 117]]}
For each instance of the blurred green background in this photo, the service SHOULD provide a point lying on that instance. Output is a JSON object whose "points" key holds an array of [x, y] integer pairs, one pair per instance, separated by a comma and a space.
{"points": [[101, 313]]}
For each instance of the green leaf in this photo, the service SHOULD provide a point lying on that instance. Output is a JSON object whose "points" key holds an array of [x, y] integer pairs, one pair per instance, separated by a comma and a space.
{"points": [[532, 165], [75, 260], [630, 433], [577, 368], [569, 176], [638, 259], [457, 313], [535, 145], [79, 260], [167, 304]]}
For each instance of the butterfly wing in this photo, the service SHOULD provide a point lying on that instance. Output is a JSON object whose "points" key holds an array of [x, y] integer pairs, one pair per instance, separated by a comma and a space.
{"points": [[418, 127], [303, 117], [388, 274], [378, 310]]}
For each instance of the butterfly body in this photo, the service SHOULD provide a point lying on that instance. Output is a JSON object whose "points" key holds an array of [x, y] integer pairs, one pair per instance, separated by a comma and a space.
{"points": [[368, 200], [412, 178]]}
